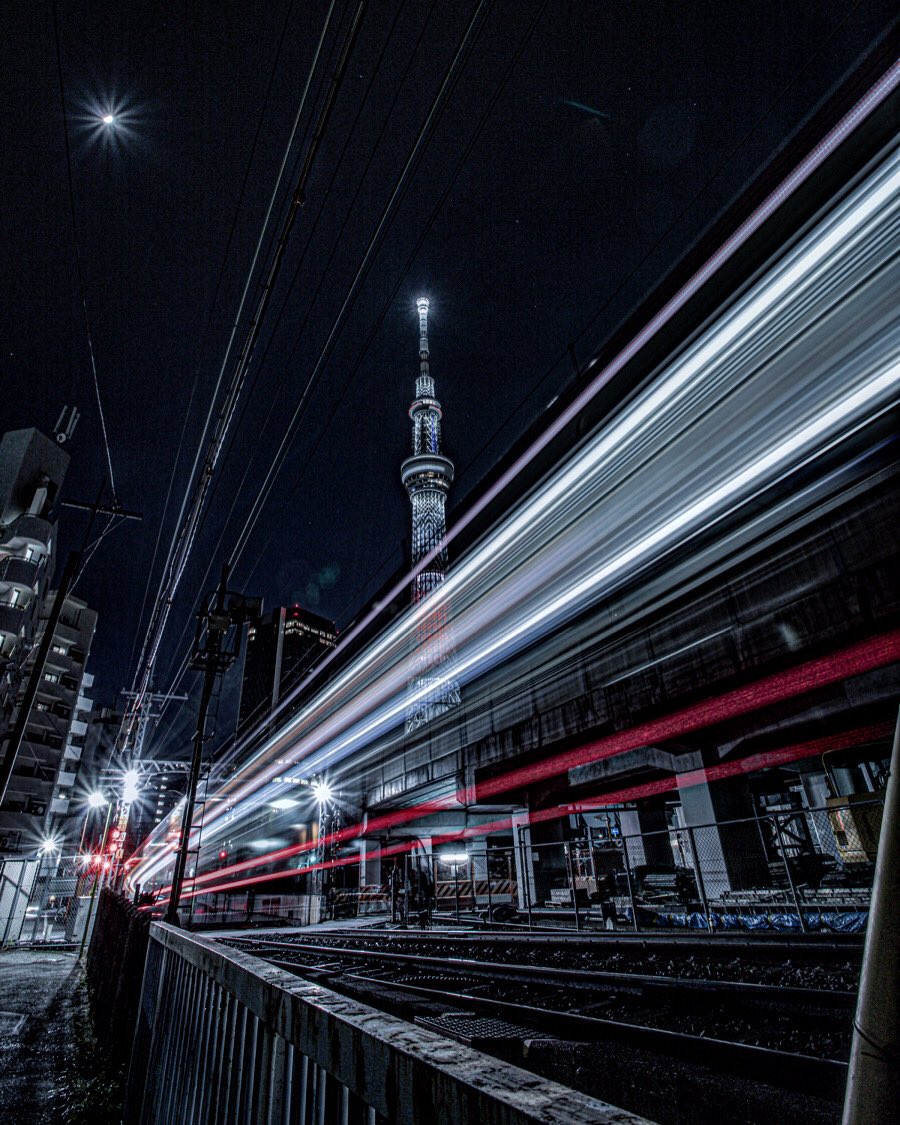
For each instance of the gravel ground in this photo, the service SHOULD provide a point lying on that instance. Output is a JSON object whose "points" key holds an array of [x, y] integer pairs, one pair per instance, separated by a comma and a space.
{"points": [[718, 965]]}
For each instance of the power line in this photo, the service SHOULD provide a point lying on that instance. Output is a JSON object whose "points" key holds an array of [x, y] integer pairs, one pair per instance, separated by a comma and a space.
{"points": [[82, 288], [190, 515], [208, 321], [450, 79]]}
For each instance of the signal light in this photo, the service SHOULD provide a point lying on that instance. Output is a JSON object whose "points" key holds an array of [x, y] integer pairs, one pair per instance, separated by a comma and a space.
{"points": [[223, 855]]}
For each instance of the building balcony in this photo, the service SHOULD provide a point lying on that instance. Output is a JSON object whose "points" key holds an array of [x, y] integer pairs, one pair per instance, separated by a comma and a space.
{"points": [[84, 704], [73, 753], [59, 806], [11, 620], [78, 727], [66, 780], [15, 571], [29, 531]]}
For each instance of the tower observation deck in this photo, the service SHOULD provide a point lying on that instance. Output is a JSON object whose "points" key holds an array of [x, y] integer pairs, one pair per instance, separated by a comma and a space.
{"points": [[427, 476]]}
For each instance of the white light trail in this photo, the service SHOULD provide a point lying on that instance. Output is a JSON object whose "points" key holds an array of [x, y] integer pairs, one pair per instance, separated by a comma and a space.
{"points": [[810, 353]]}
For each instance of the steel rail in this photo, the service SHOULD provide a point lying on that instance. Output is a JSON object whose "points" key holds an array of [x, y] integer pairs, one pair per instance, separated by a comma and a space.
{"points": [[582, 979], [806, 1073]]}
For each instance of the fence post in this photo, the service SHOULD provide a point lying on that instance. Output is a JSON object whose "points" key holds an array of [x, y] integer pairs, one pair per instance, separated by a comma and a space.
{"points": [[700, 885], [526, 882], [873, 1085], [23, 866], [630, 881], [487, 872], [571, 867], [787, 871]]}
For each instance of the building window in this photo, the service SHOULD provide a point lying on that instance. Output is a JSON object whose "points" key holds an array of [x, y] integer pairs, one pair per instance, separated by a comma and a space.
{"points": [[51, 677], [61, 649]]}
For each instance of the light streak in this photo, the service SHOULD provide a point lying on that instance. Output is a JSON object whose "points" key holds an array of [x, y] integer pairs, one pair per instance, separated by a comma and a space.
{"points": [[767, 759], [806, 357], [777, 688]]}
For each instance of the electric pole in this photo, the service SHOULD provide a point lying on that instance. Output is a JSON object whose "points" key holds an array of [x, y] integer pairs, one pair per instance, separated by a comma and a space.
{"points": [[223, 610]]}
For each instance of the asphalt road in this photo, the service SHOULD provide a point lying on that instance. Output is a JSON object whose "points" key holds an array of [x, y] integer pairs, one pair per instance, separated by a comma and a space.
{"points": [[36, 1012]]}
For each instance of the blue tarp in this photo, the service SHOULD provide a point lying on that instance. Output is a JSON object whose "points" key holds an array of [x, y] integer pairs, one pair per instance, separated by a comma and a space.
{"points": [[843, 922]]}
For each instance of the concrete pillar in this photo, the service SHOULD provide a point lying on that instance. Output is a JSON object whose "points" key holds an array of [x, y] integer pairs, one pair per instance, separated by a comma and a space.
{"points": [[730, 856], [369, 862], [525, 886], [548, 859], [646, 829]]}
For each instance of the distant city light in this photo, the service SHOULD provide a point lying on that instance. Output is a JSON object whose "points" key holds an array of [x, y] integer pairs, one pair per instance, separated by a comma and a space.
{"points": [[131, 789], [109, 119], [454, 858], [96, 800], [322, 792]]}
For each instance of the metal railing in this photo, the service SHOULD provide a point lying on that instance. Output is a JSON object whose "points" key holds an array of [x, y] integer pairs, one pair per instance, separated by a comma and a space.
{"points": [[792, 869], [786, 869], [224, 1037]]}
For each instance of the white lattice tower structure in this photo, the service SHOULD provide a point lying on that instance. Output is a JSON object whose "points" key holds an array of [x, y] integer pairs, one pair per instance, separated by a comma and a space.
{"points": [[427, 476]]}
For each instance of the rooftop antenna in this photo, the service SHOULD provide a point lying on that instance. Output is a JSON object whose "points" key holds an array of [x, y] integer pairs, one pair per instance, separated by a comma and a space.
{"points": [[65, 428]]}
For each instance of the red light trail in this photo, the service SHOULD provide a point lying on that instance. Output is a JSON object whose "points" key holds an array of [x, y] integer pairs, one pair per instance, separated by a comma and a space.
{"points": [[845, 663]]}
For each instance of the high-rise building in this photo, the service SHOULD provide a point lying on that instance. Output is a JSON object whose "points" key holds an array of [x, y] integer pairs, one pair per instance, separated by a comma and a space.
{"points": [[32, 470], [282, 646], [40, 796], [427, 477]]}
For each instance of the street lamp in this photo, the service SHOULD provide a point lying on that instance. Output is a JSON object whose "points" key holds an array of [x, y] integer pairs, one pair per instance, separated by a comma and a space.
{"points": [[453, 860], [97, 800]]}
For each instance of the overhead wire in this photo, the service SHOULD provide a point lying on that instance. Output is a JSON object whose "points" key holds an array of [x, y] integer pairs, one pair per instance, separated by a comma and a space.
{"points": [[188, 519], [460, 163], [361, 103], [449, 81], [209, 317], [82, 285]]}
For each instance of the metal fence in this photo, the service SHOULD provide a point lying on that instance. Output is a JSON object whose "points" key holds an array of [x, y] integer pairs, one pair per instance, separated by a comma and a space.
{"points": [[786, 869], [223, 1037], [794, 869], [47, 899]]}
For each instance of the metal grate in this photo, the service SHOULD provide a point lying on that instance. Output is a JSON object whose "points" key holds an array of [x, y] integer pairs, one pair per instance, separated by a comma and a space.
{"points": [[470, 1028]]}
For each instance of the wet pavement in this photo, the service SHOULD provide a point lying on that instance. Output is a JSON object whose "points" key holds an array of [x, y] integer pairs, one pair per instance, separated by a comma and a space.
{"points": [[37, 1007]]}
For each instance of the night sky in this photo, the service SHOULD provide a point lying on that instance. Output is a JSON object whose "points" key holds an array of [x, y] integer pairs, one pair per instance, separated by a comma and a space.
{"points": [[583, 149]]}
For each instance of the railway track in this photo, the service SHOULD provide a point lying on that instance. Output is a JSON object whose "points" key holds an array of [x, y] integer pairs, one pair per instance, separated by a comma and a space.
{"points": [[793, 1037]]}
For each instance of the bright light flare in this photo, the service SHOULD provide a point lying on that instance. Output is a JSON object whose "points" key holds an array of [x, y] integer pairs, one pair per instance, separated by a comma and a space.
{"points": [[454, 859], [108, 119], [49, 845], [96, 800], [322, 792], [131, 786]]}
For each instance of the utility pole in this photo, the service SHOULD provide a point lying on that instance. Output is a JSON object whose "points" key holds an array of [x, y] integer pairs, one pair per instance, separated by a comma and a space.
{"points": [[223, 610], [70, 573], [873, 1076]]}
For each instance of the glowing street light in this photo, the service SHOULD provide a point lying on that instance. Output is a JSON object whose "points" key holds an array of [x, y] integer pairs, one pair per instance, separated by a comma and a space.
{"points": [[322, 792], [131, 788], [96, 800], [49, 846], [108, 119]]}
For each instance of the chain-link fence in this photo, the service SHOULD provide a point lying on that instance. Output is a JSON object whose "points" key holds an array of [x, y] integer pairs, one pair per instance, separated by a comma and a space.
{"points": [[47, 900], [796, 869], [785, 869]]}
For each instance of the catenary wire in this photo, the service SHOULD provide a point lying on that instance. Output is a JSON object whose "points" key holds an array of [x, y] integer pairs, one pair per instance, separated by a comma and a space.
{"points": [[208, 321], [82, 287]]}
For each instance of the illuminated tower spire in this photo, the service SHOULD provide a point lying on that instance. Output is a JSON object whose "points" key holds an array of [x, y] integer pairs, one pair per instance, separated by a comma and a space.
{"points": [[427, 476]]}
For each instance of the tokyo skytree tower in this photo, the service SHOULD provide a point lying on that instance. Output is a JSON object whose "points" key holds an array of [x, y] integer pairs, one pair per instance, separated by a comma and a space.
{"points": [[427, 476]]}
